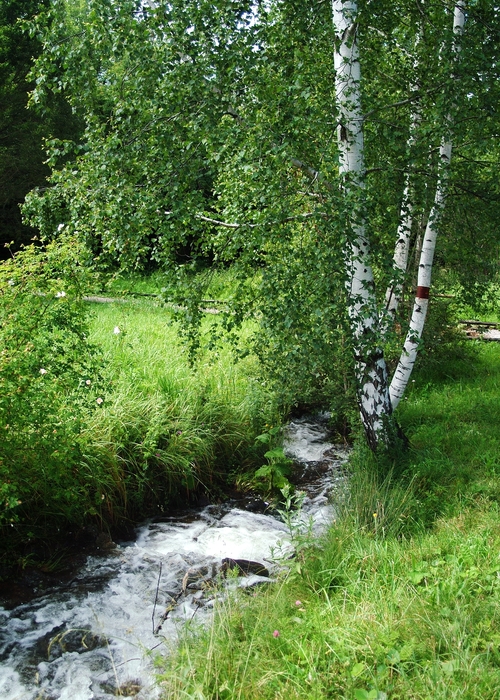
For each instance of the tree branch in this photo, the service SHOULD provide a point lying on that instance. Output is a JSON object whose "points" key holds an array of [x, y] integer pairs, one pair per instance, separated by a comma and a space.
{"points": [[226, 224]]}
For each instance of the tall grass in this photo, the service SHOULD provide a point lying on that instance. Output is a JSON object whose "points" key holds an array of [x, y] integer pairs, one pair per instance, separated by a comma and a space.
{"points": [[401, 599], [167, 429]]}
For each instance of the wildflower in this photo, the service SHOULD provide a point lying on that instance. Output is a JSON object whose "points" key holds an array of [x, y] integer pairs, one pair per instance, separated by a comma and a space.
{"points": [[117, 330], [276, 633], [298, 603], [375, 515], [99, 400], [179, 432], [11, 283], [88, 382], [43, 371], [60, 227], [59, 295]]}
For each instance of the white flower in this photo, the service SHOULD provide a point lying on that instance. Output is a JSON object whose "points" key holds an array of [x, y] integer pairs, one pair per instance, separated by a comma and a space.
{"points": [[117, 330], [88, 382], [60, 227], [11, 283], [43, 371], [60, 294], [99, 400]]}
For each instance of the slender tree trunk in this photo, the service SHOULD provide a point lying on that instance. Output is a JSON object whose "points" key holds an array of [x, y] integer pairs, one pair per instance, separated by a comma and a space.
{"points": [[400, 260], [394, 291], [371, 372], [420, 306]]}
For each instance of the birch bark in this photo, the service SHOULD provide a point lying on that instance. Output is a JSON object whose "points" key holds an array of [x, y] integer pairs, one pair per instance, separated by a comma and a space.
{"points": [[400, 260], [394, 291], [371, 372], [421, 303], [401, 249]]}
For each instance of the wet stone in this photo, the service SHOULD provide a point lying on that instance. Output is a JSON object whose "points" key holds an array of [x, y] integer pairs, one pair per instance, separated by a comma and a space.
{"points": [[70, 641], [243, 567], [126, 690]]}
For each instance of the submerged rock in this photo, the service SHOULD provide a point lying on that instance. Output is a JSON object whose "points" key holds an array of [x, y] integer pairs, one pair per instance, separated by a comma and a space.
{"points": [[196, 576], [244, 567]]}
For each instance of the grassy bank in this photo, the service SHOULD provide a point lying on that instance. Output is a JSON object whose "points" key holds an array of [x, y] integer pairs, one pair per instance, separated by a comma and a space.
{"points": [[107, 420], [172, 428], [402, 597]]}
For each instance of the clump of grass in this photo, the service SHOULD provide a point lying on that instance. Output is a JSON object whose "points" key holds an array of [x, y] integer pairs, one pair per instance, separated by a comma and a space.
{"points": [[376, 503], [408, 611]]}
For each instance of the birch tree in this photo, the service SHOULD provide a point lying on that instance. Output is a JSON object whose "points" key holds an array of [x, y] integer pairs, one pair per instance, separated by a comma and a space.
{"points": [[373, 391], [376, 401]]}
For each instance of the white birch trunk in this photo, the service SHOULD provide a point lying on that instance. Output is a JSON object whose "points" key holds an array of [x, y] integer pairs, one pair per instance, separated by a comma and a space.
{"points": [[394, 291], [401, 249], [400, 259], [420, 306], [373, 395]]}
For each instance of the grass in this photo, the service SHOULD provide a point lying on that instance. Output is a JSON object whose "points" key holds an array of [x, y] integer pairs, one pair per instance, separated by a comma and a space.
{"points": [[219, 285], [402, 597], [167, 429]]}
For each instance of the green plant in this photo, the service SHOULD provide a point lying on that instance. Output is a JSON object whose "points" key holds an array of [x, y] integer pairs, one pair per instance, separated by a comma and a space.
{"points": [[300, 530], [273, 475]]}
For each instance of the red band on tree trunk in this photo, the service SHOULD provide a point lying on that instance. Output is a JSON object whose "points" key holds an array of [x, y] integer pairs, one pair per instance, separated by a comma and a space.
{"points": [[422, 292]]}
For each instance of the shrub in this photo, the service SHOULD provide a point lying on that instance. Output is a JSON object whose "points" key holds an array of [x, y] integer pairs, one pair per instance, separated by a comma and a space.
{"points": [[49, 383]]}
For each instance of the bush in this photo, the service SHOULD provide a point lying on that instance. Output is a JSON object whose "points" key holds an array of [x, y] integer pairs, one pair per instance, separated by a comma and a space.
{"points": [[49, 384]]}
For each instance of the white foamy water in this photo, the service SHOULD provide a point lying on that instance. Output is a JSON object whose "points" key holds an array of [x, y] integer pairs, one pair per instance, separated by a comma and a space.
{"points": [[93, 638]]}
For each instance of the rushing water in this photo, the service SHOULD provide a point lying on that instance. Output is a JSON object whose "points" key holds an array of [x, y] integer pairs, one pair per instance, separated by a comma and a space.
{"points": [[91, 639]]}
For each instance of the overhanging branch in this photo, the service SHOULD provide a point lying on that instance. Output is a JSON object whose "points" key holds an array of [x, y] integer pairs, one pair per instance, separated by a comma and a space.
{"points": [[226, 224]]}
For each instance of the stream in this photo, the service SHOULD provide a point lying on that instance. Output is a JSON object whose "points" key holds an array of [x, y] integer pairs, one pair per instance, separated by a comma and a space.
{"points": [[93, 637]]}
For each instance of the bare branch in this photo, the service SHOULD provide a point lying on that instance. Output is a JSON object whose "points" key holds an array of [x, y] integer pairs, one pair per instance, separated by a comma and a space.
{"points": [[226, 224]]}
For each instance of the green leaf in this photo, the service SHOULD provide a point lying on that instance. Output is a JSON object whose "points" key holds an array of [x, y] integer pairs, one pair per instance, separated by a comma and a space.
{"points": [[357, 670], [276, 454], [361, 694]]}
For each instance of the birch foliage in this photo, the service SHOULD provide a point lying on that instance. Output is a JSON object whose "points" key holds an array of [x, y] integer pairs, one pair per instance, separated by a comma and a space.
{"points": [[278, 138]]}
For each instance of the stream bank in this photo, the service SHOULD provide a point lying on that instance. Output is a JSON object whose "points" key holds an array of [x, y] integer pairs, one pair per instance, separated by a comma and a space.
{"points": [[92, 638]]}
